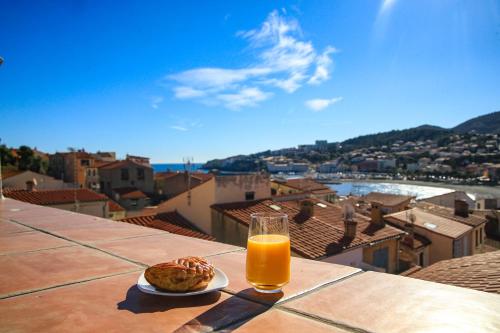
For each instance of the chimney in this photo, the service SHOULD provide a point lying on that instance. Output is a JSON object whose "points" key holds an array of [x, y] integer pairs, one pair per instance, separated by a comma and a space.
{"points": [[461, 208], [376, 215], [31, 185], [306, 208], [349, 223]]}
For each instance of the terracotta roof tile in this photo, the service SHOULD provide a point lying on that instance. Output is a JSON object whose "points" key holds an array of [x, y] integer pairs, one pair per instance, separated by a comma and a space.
{"points": [[480, 272], [130, 193], [317, 236], [52, 197], [172, 222], [434, 223], [386, 199], [10, 173], [115, 207], [308, 185], [122, 164]]}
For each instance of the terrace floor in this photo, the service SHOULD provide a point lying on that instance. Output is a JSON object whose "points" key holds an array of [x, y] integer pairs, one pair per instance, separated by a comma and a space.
{"points": [[62, 271]]}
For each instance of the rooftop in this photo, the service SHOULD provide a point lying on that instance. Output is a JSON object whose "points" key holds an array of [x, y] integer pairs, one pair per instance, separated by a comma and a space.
{"points": [[387, 199], [480, 272], [130, 193], [121, 164], [313, 237], [84, 269], [172, 222], [307, 185], [114, 206], [54, 197], [434, 223], [472, 220]]}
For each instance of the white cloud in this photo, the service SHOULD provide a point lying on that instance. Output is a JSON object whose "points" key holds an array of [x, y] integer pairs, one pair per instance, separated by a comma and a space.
{"points": [[179, 128], [187, 92], [156, 101], [283, 60], [320, 104], [323, 67], [243, 98]]}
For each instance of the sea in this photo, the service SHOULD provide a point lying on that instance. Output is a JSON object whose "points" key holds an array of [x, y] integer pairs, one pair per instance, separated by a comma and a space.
{"points": [[162, 167], [360, 188], [345, 188]]}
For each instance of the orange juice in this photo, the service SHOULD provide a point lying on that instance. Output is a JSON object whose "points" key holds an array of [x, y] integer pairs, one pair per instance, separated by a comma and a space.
{"points": [[268, 261]]}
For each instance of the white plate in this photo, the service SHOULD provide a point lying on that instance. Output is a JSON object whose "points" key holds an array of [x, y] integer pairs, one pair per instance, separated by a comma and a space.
{"points": [[219, 281]]}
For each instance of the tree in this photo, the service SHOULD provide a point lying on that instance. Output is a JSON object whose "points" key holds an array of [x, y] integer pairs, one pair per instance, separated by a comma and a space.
{"points": [[26, 158], [7, 156]]}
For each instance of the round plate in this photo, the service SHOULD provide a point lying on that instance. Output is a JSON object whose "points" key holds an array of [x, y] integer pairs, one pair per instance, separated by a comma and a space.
{"points": [[219, 281]]}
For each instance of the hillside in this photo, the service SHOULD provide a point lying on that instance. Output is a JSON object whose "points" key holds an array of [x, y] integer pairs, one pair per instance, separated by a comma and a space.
{"points": [[488, 123], [421, 133]]}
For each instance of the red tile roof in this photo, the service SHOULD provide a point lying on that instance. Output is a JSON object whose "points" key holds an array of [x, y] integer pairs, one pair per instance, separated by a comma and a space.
{"points": [[52, 197], [115, 207], [308, 185], [172, 222], [480, 272], [387, 199], [122, 164], [130, 193], [472, 220], [313, 237], [10, 173]]}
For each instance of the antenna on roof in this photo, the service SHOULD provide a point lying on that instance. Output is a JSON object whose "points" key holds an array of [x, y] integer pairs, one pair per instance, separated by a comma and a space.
{"points": [[187, 166], [1, 181], [75, 180]]}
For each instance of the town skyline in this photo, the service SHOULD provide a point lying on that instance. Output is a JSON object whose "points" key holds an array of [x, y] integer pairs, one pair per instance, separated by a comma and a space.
{"points": [[337, 69]]}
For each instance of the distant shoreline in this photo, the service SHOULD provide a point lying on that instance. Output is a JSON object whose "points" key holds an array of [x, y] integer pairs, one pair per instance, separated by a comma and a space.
{"points": [[476, 189]]}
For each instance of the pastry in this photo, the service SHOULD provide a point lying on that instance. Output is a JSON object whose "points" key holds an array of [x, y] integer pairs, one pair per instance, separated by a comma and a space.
{"points": [[181, 275]]}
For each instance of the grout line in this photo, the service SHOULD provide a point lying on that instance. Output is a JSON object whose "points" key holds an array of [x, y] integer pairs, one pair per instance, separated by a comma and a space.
{"points": [[31, 291], [84, 245], [320, 319], [278, 305], [322, 286], [129, 237], [225, 252], [31, 251]]}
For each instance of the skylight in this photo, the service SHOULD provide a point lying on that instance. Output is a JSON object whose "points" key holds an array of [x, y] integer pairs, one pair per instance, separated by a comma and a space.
{"points": [[430, 225], [275, 207]]}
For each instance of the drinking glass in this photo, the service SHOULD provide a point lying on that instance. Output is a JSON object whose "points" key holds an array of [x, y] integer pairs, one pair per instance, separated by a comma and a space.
{"points": [[268, 252]]}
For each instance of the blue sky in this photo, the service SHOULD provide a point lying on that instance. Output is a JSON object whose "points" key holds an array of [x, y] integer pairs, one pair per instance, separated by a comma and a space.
{"points": [[214, 79]]}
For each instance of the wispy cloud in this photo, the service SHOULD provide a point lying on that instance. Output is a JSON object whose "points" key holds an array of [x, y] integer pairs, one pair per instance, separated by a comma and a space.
{"points": [[383, 18], [179, 128], [386, 6], [156, 101], [283, 60], [320, 104]]}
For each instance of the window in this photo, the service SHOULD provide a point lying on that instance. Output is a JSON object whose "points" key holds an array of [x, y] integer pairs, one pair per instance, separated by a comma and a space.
{"points": [[133, 202], [140, 174], [249, 195], [481, 236], [102, 185], [89, 172], [477, 237], [84, 162], [124, 174], [93, 172], [381, 258], [421, 259]]}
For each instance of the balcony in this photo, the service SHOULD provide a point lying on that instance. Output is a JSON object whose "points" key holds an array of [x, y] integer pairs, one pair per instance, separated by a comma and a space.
{"points": [[63, 271]]}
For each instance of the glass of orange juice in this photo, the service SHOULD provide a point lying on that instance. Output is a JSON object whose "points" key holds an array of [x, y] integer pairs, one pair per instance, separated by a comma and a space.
{"points": [[268, 252]]}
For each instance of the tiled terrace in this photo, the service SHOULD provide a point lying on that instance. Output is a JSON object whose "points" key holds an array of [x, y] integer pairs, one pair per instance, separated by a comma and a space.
{"points": [[62, 271]]}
